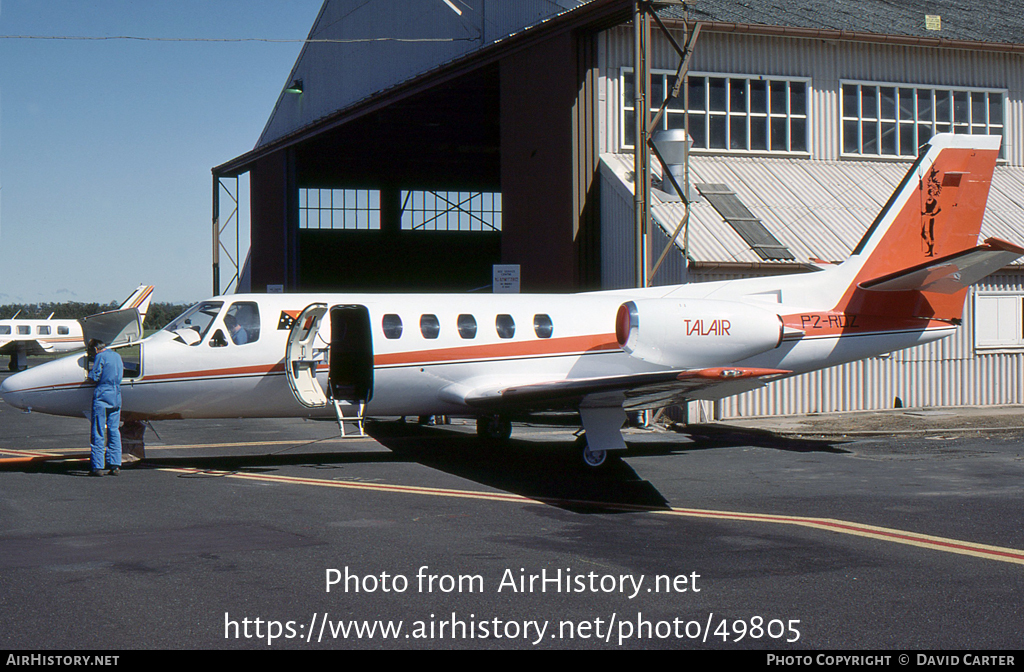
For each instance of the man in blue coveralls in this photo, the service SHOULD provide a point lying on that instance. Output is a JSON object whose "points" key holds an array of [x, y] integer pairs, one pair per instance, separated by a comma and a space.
{"points": [[107, 371]]}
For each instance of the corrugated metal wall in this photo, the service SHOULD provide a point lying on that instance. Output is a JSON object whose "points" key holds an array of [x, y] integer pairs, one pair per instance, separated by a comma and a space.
{"points": [[944, 373], [826, 63]]}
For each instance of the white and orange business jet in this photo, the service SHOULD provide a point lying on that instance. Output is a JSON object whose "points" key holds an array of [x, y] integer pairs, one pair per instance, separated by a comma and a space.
{"points": [[20, 338], [601, 353]]}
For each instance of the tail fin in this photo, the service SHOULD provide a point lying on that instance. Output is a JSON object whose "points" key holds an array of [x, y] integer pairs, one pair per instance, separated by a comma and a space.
{"points": [[934, 216], [139, 299], [937, 209]]}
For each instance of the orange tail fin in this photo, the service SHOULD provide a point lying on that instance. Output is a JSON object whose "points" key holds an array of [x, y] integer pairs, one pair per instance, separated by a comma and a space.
{"points": [[932, 217]]}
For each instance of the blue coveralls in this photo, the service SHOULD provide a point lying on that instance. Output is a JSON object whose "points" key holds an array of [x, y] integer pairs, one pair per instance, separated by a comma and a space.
{"points": [[107, 370]]}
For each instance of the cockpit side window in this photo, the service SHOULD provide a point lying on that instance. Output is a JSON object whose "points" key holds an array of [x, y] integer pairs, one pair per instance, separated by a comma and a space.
{"points": [[5, 329], [198, 318], [242, 321]]}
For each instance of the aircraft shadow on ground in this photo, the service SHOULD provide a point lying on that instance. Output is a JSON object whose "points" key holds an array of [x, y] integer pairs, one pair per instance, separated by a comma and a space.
{"points": [[548, 471], [722, 436]]}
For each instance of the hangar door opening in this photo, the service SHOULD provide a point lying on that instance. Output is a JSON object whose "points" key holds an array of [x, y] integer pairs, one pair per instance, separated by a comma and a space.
{"points": [[398, 239]]}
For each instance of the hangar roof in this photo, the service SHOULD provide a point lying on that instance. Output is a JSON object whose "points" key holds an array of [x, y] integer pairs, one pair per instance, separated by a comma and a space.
{"points": [[988, 21], [356, 49], [817, 209], [345, 80]]}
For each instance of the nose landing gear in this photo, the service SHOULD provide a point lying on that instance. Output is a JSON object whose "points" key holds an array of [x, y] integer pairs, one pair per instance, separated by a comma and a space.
{"points": [[591, 458]]}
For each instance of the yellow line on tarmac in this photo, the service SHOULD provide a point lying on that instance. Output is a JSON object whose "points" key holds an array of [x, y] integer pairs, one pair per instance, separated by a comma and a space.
{"points": [[63, 452], [829, 524]]}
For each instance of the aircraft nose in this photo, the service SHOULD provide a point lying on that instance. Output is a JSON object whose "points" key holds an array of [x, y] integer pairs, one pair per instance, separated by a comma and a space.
{"points": [[10, 391], [56, 387]]}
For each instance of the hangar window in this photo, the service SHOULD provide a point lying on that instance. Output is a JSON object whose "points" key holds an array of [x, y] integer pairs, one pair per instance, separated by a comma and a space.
{"points": [[542, 326], [729, 113], [392, 326], [505, 326], [63, 331], [451, 211], [345, 209], [467, 326], [43, 330], [998, 321], [430, 327], [24, 330], [882, 119]]}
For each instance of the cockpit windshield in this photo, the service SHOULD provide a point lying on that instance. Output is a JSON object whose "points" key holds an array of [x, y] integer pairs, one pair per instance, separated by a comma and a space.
{"points": [[198, 318]]}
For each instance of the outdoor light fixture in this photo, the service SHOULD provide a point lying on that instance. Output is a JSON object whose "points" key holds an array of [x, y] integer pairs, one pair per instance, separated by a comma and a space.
{"points": [[296, 87]]}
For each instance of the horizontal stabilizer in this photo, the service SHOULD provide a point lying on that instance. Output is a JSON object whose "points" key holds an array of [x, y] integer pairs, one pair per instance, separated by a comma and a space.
{"points": [[949, 274]]}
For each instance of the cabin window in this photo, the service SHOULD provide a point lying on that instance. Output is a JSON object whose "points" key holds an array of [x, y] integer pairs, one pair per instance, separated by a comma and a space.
{"points": [[5, 329], [505, 326], [63, 331], [43, 330], [430, 327], [467, 326], [24, 330], [243, 322], [392, 326], [542, 326]]}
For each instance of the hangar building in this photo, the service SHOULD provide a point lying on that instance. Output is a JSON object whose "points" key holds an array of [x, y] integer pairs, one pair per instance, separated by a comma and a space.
{"points": [[414, 146]]}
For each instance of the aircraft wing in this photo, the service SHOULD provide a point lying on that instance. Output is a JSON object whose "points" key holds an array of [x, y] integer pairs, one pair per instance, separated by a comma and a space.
{"points": [[631, 391], [950, 274], [29, 347]]}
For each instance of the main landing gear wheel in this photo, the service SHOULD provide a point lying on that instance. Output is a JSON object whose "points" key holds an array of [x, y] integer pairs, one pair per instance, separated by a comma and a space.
{"points": [[591, 458], [494, 427]]}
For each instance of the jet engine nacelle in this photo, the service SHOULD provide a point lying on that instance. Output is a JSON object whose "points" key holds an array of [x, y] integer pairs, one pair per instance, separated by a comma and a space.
{"points": [[685, 333]]}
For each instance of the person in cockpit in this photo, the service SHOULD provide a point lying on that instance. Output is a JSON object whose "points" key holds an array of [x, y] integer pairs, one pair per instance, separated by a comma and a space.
{"points": [[238, 335]]}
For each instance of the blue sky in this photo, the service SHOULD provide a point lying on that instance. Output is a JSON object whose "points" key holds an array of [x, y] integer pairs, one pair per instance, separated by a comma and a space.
{"points": [[106, 146]]}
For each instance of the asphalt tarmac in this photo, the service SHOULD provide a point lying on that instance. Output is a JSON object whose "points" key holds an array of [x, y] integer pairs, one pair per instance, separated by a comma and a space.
{"points": [[277, 534]]}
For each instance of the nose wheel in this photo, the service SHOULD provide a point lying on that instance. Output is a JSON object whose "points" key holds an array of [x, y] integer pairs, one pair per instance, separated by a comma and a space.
{"points": [[591, 458]]}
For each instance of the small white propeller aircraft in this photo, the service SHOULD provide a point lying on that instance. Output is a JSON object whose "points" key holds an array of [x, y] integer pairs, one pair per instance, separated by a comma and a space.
{"points": [[601, 353], [24, 337]]}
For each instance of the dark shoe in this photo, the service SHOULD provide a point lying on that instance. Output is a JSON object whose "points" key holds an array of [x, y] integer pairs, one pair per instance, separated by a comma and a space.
{"points": [[95, 472], [116, 471]]}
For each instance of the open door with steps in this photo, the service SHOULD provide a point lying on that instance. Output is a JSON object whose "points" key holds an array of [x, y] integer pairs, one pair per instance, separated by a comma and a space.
{"points": [[348, 356]]}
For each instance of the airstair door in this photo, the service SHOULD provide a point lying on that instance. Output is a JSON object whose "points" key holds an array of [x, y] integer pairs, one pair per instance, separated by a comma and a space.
{"points": [[351, 366], [304, 354]]}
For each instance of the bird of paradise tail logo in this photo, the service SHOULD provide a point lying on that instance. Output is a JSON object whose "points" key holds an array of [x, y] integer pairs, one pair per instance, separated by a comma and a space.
{"points": [[933, 189], [931, 192]]}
